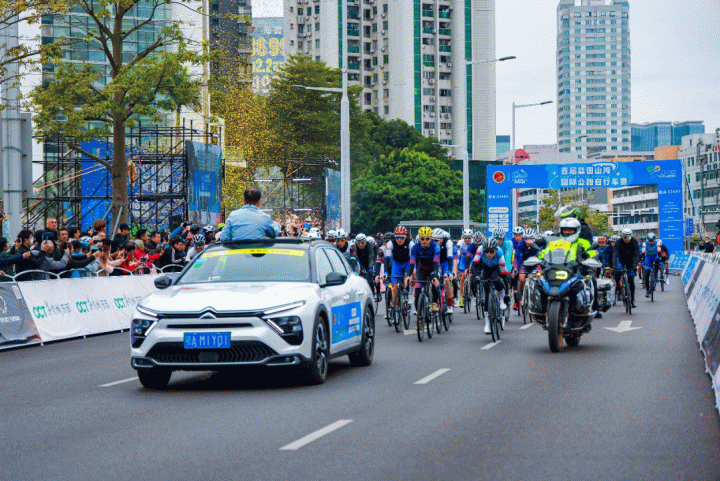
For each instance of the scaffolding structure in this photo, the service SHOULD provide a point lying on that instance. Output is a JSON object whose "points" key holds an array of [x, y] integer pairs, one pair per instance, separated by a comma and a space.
{"points": [[77, 191]]}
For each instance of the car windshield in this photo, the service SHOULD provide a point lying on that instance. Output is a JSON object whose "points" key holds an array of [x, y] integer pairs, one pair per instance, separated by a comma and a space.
{"points": [[249, 264]]}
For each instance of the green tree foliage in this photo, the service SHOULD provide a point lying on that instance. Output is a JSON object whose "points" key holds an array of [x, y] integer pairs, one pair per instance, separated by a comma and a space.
{"points": [[307, 122], [598, 221], [78, 105], [406, 185]]}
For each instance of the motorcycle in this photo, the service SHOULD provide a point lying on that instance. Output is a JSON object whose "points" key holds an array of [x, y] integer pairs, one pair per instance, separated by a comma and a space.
{"points": [[564, 294]]}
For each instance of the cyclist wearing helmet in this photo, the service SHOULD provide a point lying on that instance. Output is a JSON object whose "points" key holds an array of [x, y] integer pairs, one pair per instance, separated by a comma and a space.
{"points": [[366, 256], [197, 247], [331, 234], [517, 242], [604, 251], [625, 257], [570, 211], [523, 253], [489, 263], [507, 249], [447, 262], [426, 255], [649, 255], [463, 261], [341, 242], [397, 260]]}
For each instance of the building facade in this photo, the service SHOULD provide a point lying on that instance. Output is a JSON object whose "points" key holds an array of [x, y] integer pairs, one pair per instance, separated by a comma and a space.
{"points": [[700, 155], [410, 58], [593, 75], [645, 137], [231, 36]]}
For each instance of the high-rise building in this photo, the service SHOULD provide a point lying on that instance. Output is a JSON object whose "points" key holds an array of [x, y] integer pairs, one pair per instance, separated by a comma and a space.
{"points": [[230, 34], [502, 143], [593, 73], [410, 58], [645, 137]]}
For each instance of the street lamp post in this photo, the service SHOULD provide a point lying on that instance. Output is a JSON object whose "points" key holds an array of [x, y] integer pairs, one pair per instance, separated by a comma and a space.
{"points": [[514, 106], [463, 147]]}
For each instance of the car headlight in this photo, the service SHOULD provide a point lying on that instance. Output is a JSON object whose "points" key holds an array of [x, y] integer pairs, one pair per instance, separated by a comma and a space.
{"points": [[139, 330], [288, 327]]}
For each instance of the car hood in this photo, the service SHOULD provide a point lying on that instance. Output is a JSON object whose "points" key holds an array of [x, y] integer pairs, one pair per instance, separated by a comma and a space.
{"points": [[229, 297]]}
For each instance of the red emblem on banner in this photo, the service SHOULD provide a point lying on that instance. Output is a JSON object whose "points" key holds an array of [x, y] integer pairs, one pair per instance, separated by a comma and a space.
{"points": [[498, 177]]}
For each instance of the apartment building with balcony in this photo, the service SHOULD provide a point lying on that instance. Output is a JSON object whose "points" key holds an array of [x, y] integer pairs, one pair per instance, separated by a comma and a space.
{"points": [[410, 58]]}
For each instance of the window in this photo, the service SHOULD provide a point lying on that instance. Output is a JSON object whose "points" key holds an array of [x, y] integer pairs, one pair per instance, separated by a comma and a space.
{"points": [[338, 263], [317, 43], [323, 266], [445, 93], [429, 91]]}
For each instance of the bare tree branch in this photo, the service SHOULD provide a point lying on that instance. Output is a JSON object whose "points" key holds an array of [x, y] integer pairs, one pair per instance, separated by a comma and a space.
{"points": [[90, 156]]}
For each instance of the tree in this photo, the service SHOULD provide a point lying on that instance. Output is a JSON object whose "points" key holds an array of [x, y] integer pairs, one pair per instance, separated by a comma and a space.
{"points": [[598, 221], [184, 92], [407, 185], [14, 12], [78, 104], [307, 122]]}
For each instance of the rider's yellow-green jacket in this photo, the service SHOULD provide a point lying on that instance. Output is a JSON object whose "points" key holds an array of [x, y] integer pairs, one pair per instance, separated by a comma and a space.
{"points": [[580, 248]]}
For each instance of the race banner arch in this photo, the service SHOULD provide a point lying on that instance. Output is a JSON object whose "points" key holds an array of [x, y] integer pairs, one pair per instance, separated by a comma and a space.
{"points": [[667, 174]]}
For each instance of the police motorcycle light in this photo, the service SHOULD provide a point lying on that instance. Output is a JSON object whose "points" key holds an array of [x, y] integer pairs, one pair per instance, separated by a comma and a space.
{"points": [[141, 325]]}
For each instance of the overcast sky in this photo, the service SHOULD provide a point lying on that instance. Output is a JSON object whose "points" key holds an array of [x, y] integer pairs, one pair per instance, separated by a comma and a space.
{"points": [[675, 50]]}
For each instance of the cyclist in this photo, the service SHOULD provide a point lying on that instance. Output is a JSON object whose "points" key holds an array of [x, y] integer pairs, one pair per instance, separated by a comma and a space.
{"points": [[517, 242], [365, 254], [426, 254], [489, 263], [442, 239], [197, 247], [462, 262], [650, 255], [625, 256], [665, 256], [331, 236], [523, 253], [341, 242], [507, 250], [397, 260]]}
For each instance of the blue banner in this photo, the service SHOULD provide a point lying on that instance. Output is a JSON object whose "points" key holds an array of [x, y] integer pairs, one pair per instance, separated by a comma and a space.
{"points": [[346, 322], [332, 199], [689, 226], [666, 174], [204, 182]]}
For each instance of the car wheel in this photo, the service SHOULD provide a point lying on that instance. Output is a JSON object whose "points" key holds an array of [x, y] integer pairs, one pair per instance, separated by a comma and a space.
{"points": [[154, 378], [364, 356], [318, 367]]}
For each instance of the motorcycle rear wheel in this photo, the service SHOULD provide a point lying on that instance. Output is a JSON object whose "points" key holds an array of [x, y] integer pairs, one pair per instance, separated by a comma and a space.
{"points": [[554, 318]]}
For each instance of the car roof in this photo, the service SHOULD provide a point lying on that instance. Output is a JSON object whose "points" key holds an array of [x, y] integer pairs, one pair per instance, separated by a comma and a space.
{"points": [[293, 242]]}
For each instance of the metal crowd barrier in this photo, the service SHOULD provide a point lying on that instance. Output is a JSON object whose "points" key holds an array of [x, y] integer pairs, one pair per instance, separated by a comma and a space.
{"points": [[40, 275]]}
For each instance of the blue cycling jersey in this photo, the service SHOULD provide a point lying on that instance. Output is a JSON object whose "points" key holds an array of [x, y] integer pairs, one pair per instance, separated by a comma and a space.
{"points": [[424, 257]]}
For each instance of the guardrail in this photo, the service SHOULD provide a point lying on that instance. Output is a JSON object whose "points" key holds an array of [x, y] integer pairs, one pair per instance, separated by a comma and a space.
{"points": [[702, 291], [40, 275]]}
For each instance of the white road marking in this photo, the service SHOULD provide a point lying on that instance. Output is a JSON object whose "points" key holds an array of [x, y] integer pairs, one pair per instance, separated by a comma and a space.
{"points": [[527, 326], [432, 376], [407, 332], [490, 345], [295, 445], [624, 326], [134, 378]]}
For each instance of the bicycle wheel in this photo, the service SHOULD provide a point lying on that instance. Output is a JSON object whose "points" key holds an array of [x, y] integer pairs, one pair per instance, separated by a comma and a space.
{"points": [[662, 281], [388, 305], [628, 296], [467, 299], [397, 320], [478, 303], [439, 320], [525, 301], [419, 324], [405, 308], [494, 315], [429, 319]]}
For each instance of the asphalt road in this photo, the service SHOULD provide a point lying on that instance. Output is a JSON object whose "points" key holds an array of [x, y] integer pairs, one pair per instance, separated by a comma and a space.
{"points": [[633, 405]]}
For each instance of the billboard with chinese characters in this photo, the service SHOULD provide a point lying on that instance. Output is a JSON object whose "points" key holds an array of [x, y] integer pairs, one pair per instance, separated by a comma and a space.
{"points": [[666, 174], [268, 51]]}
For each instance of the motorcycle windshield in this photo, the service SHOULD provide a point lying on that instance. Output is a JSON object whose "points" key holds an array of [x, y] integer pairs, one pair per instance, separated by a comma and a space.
{"points": [[558, 256]]}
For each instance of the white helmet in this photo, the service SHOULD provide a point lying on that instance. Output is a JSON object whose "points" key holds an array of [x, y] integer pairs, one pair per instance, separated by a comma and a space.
{"points": [[314, 234], [548, 233], [530, 234], [341, 234], [314, 229], [371, 240], [499, 232], [446, 234], [518, 230], [570, 223], [331, 233], [361, 237], [437, 233], [626, 232], [467, 233]]}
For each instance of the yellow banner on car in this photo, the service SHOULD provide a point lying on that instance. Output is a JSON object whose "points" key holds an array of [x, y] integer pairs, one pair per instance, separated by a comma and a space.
{"points": [[258, 250]]}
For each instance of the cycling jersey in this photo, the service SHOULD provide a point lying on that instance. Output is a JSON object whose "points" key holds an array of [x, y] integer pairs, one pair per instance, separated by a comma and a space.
{"points": [[426, 258], [397, 258], [604, 253], [507, 249], [523, 253], [365, 257], [446, 256], [650, 252], [516, 245], [487, 267], [626, 253], [464, 256]]}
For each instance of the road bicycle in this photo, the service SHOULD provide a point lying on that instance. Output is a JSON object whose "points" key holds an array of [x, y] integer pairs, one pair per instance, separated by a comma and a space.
{"points": [[467, 293], [494, 312], [389, 308], [427, 319], [623, 291], [526, 300]]}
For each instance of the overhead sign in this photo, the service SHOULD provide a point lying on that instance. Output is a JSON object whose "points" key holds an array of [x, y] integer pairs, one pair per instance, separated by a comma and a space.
{"points": [[666, 174], [689, 227]]}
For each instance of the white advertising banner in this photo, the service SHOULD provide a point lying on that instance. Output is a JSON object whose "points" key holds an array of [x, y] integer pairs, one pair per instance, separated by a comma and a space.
{"points": [[67, 308]]}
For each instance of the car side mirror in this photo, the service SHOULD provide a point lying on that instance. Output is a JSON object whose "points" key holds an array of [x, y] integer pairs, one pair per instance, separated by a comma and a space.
{"points": [[532, 262], [335, 279], [163, 282]]}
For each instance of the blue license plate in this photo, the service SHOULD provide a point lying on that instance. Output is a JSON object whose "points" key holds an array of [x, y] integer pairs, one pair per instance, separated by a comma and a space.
{"points": [[206, 340]]}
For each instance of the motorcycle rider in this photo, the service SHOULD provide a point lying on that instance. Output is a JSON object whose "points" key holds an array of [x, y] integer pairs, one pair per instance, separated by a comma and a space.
{"points": [[626, 255]]}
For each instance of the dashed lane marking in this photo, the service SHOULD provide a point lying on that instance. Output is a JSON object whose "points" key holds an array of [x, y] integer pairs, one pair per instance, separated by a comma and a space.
{"points": [[527, 326], [305, 440], [490, 345], [134, 378], [432, 376]]}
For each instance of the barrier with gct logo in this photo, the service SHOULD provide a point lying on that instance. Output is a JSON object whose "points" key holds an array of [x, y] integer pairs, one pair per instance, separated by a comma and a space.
{"points": [[42, 311]]}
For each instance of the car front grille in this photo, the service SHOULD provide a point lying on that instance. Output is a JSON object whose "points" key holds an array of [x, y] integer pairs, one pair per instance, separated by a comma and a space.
{"points": [[239, 352]]}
